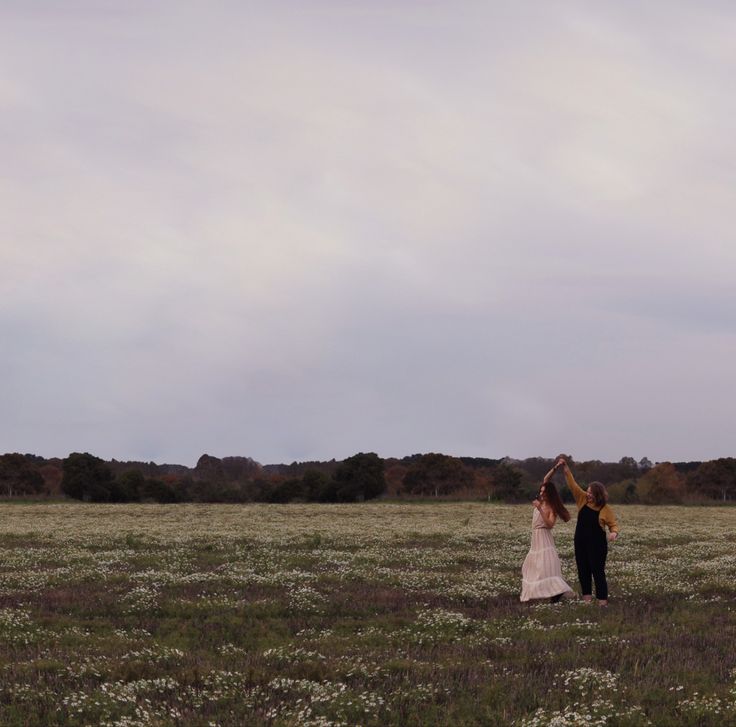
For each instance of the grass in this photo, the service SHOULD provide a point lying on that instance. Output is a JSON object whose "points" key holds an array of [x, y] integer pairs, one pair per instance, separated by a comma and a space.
{"points": [[371, 614]]}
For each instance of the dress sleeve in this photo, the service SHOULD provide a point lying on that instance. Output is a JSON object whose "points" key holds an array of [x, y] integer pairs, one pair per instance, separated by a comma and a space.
{"points": [[607, 517], [577, 492]]}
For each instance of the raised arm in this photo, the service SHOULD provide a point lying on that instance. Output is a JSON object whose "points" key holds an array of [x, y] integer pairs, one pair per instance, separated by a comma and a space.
{"points": [[554, 469], [549, 474], [577, 492]]}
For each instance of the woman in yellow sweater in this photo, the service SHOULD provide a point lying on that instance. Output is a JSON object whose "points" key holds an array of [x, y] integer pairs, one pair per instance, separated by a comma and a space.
{"points": [[591, 546]]}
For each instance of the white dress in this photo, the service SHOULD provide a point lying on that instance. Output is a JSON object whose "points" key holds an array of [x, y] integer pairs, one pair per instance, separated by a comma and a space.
{"points": [[541, 574]]}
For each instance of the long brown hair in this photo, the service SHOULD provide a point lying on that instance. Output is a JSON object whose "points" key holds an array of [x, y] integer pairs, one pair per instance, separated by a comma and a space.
{"points": [[599, 492], [553, 499]]}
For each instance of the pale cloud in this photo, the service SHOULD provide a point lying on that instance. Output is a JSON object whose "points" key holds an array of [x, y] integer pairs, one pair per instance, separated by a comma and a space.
{"points": [[292, 232]]}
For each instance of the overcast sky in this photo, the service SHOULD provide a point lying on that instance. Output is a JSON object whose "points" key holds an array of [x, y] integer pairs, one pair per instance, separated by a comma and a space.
{"points": [[299, 230]]}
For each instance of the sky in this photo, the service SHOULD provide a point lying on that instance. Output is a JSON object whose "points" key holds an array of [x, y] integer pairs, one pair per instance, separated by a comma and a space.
{"points": [[300, 230]]}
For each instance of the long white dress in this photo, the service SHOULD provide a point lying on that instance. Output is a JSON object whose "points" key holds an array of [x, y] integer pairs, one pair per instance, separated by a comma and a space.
{"points": [[541, 574]]}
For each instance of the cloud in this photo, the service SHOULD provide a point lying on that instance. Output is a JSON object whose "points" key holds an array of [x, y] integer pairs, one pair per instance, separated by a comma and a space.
{"points": [[252, 230]]}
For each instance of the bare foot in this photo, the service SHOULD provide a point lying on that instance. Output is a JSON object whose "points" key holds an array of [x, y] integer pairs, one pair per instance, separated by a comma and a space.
{"points": [[587, 599], [603, 602]]}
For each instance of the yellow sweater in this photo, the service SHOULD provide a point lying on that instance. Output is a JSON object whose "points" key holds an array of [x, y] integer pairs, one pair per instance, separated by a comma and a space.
{"points": [[605, 513]]}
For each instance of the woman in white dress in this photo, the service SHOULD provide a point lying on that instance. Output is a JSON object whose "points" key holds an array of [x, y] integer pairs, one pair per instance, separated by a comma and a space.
{"points": [[541, 574]]}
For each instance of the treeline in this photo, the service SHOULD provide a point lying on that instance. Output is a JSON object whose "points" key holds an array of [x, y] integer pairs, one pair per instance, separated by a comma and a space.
{"points": [[364, 476]]}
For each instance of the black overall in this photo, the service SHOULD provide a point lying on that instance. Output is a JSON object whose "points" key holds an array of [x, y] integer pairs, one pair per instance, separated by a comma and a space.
{"points": [[591, 549]]}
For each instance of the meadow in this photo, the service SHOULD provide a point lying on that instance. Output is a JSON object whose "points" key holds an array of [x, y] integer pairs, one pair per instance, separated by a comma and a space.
{"points": [[369, 614]]}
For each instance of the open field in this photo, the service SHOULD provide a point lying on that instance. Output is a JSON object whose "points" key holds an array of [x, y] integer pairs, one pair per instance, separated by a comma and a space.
{"points": [[371, 614]]}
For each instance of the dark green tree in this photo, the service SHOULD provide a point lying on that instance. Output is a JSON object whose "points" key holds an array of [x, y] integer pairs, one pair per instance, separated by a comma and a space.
{"points": [[360, 477], [314, 484], [623, 492], [328, 493], [127, 487], [19, 476], [86, 477], [507, 482], [437, 474], [716, 479], [160, 490], [286, 491]]}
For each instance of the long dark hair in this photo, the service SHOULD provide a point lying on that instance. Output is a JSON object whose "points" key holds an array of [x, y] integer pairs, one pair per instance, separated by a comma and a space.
{"points": [[553, 499]]}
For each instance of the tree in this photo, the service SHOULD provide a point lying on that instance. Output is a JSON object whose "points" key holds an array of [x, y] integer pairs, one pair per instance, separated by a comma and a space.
{"points": [[437, 474], [86, 477], [313, 484], [161, 489], [395, 473], [535, 467], [240, 468], [360, 477], [18, 476], [127, 487], [629, 468], [482, 482], [286, 491], [209, 469], [507, 482], [329, 492], [623, 492], [51, 474], [661, 485], [716, 479]]}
